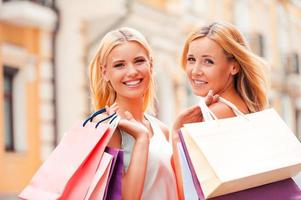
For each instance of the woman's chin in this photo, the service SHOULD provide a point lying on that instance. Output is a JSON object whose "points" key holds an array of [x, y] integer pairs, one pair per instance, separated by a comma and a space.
{"points": [[200, 93], [134, 94]]}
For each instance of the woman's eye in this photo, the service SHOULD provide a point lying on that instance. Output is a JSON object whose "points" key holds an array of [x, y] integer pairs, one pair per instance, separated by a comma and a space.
{"points": [[140, 61], [190, 59], [118, 65], [208, 61]]}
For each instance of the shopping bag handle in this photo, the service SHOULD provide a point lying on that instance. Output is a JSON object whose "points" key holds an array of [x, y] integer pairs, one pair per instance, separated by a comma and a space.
{"points": [[103, 110], [94, 115], [113, 116], [208, 115], [232, 106]]}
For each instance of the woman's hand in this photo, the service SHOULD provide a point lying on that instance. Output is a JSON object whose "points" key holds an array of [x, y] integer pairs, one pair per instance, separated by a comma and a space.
{"points": [[133, 127], [109, 111], [112, 109], [193, 114], [129, 124]]}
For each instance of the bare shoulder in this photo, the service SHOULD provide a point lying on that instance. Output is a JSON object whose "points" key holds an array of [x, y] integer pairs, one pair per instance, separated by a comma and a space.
{"points": [[164, 128], [221, 110]]}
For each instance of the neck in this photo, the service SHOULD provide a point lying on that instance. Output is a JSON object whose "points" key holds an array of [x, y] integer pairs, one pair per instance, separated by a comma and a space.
{"points": [[229, 89], [228, 92], [134, 106], [232, 95]]}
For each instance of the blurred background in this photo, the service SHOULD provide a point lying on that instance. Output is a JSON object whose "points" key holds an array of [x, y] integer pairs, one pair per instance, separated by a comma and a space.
{"points": [[46, 46]]}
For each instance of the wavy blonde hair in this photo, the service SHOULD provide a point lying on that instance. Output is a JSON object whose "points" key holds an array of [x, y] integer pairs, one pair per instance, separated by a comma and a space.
{"points": [[251, 82], [102, 92]]}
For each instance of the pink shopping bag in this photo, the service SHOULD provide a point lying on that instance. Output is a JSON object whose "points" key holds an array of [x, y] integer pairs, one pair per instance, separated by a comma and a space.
{"points": [[100, 180], [109, 185], [69, 170], [79, 184]]}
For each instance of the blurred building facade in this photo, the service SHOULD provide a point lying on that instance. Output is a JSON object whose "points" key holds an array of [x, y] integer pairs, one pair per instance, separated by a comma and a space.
{"points": [[46, 46], [26, 103]]}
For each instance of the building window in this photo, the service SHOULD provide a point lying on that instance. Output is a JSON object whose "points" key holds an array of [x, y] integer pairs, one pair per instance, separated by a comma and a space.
{"points": [[9, 74], [47, 3], [257, 43], [292, 64]]}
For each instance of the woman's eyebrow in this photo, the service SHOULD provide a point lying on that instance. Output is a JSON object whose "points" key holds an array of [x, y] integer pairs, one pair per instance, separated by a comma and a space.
{"points": [[206, 56], [117, 61], [138, 57]]}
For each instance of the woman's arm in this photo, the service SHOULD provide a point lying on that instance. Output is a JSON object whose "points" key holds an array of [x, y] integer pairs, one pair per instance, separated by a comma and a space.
{"points": [[133, 179], [190, 115]]}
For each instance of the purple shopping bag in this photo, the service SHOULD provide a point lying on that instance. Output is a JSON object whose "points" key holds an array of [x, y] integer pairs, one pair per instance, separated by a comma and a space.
{"points": [[113, 189], [282, 190]]}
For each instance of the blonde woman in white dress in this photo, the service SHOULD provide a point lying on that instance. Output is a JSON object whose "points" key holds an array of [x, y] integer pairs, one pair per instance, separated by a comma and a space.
{"points": [[121, 79]]}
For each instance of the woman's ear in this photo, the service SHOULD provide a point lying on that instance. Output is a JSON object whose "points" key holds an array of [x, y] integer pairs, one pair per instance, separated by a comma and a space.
{"points": [[151, 65], [104, 74], [235, 67]]}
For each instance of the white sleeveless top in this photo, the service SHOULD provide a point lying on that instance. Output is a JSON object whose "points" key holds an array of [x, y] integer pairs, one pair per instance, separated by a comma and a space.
{"points": [[160, 181]]}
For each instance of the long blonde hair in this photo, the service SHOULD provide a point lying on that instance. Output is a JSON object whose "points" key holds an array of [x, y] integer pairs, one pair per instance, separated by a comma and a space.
{"points": [[251, 82], [102, 92]]}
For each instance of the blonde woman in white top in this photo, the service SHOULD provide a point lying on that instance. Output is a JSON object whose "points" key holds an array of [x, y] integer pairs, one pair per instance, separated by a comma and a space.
{"points": [[217, 58], [121, 78]]}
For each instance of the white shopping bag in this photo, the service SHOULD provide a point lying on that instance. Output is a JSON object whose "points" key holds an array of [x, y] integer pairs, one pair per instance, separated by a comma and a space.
{"points": [[242, 152]]}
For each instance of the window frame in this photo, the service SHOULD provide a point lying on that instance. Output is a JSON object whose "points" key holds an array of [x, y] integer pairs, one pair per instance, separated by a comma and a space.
{"points": [[9, 72]]}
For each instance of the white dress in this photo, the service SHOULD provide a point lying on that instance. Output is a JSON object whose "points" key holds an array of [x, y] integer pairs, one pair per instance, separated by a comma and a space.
{"points": [[160, 181]]}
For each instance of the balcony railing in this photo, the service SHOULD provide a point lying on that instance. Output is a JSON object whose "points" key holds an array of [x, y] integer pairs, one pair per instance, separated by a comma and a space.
{"points": [[47, 3]]}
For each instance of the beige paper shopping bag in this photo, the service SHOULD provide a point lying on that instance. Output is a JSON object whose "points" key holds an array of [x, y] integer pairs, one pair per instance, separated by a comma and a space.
{"points": [[242, 152]]}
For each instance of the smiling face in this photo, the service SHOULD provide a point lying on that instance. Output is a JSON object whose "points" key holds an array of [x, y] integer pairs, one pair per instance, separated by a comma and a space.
{"points": [[208, 67], [129, 70]]}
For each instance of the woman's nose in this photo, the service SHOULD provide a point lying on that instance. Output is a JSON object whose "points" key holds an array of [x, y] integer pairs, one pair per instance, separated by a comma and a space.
{"points": [[197, 69], [131, 70]]}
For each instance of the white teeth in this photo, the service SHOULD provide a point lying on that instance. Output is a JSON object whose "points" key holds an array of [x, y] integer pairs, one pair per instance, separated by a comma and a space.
{"points": [[132, 83], [199, 82]]}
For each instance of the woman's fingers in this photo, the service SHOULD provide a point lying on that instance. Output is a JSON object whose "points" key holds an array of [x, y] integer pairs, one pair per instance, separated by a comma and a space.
{"points": [[129, 116], [192, 110], [215, 98], [107, 110], [191, 114], [133, 128], [209, 98], [112, 109], [194, 113]]}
